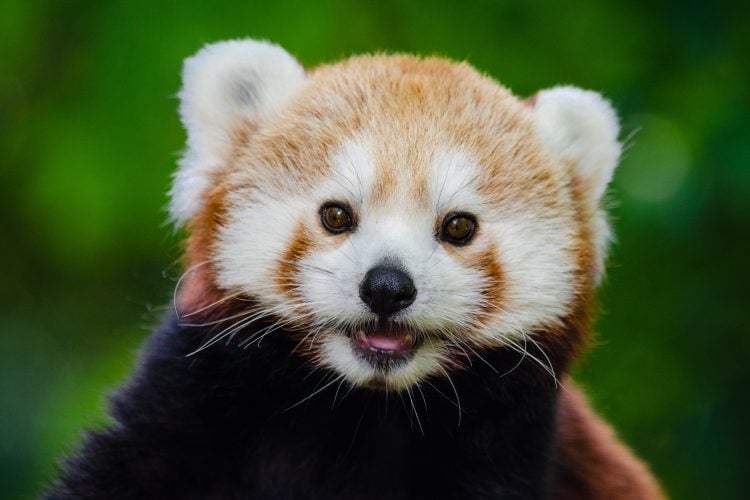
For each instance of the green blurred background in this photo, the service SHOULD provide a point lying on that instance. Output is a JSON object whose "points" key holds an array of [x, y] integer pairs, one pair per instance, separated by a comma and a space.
{"points": [[89, 136]]}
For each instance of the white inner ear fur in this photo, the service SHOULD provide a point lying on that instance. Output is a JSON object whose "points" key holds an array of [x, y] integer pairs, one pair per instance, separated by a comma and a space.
{"points": [[579, 128], [224, 85]]}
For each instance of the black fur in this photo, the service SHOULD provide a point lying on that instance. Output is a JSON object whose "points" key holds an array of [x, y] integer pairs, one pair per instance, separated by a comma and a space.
{"points": [[218, 425]]}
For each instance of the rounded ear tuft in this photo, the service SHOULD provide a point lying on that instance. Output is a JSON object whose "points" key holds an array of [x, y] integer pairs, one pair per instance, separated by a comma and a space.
{"points": [[580, 128], [225, 85]]}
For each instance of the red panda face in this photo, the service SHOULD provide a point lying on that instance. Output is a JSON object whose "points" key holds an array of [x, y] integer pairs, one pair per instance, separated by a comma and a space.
{"points": [[399, 216]]}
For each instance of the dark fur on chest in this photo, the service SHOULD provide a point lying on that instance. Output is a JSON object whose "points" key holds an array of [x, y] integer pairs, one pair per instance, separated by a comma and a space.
{"points": [[225, 423]]}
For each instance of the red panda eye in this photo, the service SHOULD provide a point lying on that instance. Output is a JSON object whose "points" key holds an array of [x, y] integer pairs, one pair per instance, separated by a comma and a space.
{"points": [[336, 218], [458, 229]]}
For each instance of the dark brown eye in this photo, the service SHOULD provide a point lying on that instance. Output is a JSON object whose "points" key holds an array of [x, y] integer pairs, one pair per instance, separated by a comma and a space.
{"points": [[336, 218], [458, 229]]}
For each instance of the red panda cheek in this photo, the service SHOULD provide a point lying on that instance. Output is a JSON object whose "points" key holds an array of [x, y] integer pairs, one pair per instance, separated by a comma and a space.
{"points": [[484, 261], [492, 290], [301, 245]]}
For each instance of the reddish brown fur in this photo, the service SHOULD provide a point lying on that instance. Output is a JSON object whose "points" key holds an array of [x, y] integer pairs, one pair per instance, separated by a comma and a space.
{"points": [[300, 246], [199, 287], [594, 464], [485, 262]]}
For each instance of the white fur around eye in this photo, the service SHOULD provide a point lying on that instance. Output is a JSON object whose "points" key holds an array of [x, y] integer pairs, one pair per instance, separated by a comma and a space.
{"points": [[533, 249], [452, 182]]}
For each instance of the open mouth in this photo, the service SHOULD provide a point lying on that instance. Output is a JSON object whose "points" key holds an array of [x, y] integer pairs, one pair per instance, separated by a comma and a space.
{"points": [[384, 344]]}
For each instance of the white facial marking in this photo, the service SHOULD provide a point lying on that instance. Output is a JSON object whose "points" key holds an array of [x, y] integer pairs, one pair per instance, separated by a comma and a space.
{"points": [[253, 241], [538, 265], [453, 179], [534, 252]]}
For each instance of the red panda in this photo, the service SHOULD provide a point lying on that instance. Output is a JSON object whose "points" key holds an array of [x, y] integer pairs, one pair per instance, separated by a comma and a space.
{"points": [[390, 267]]}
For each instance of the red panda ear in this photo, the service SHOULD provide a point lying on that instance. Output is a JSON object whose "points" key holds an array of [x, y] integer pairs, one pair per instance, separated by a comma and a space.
{"points": [[579, 128], [224, 85]]}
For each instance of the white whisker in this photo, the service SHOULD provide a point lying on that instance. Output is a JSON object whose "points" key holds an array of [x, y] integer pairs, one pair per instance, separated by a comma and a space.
{"points": [[313, 394]]}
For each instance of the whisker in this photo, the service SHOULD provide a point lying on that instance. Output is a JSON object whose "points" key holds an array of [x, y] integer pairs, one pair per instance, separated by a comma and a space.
{"points": [[481, 358], [213, 304], [335, 394], [314, 393], [523, 356], [549, 362], [228, 331], [414, 409], [455, 391], [217, 321], [546, 368], [424, 400]]}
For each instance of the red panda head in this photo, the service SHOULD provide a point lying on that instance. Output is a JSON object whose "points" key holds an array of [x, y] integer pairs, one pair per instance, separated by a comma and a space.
{"points": [[400, 215]]}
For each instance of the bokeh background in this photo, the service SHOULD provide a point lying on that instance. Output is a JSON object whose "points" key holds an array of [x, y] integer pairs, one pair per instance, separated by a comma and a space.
{"points": [[89, 136]]}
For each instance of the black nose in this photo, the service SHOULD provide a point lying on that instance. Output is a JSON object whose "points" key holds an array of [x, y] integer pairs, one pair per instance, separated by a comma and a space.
{"points": [[386, 290]]}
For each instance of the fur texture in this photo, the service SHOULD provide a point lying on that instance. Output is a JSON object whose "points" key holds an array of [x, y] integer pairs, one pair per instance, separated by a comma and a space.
{"points": [[223, 426], [261, 386]]}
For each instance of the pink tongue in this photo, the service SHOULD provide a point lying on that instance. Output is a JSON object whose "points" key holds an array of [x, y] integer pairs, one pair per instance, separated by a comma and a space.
{"points": [[393, 343], [385, 343]]}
